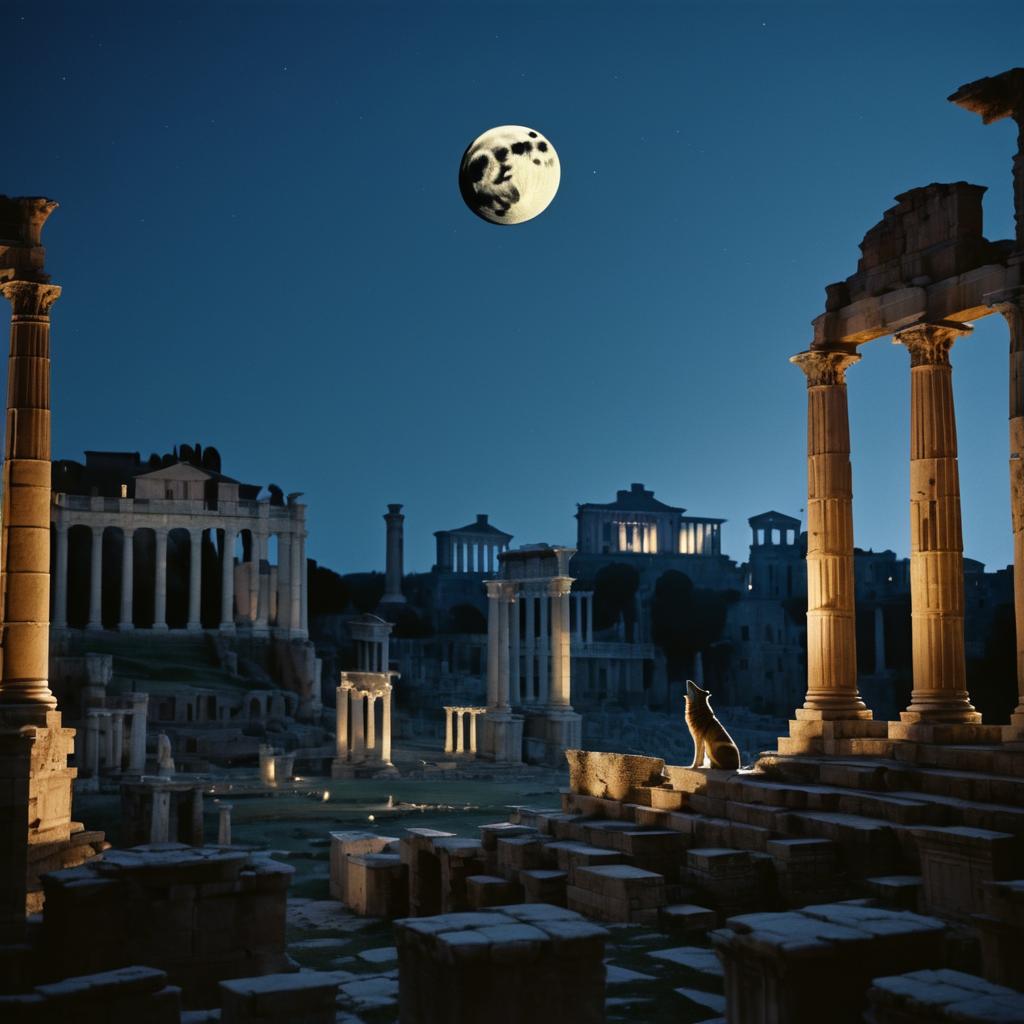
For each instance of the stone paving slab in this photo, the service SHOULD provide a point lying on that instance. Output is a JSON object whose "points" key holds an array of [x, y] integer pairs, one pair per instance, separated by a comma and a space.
{"points": [[713, 1002], [704, 961]]}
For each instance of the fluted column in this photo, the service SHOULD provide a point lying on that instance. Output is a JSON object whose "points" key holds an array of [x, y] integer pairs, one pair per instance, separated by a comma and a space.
{"points": [[96, 579], [358, 747], [227, 582], [298, 564], [341, 720], [25, 518], [531, 639], [260, 542], [508, 596], [160, 581], [493, 661], [831, 640], [371, 723], [936, 540], [195, 579], [284, 577], [559, 589], [472, 731], [544, 643], [385, 724], [60, 597], [303, 587], [1013, 311], [125, 623], [515, 670], [448, 713], [460, 715]]}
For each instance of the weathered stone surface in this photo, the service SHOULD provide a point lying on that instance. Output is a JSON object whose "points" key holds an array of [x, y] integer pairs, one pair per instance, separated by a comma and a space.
{"points": [[377, 885], [797, 962], [344, 845], [611, 776], [1001, 928], [534, 963], [941, 995]]}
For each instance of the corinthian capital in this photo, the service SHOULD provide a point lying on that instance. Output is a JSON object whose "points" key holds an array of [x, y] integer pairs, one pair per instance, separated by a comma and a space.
{"points": [[929, 344], [825, 365], [559, 586], [30, 298]]}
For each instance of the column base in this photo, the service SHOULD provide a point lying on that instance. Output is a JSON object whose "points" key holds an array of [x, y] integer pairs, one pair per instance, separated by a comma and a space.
{"points": [[193, 627], [858, 712], [502, 739], [845, 736], [940, 710], [125, 627], [226, 627], [159, 627], [94, 627]]}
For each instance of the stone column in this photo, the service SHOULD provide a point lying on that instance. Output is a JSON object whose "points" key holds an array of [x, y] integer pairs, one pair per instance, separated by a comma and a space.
{"points": [[60, 599], [459, 730], [493, 640], [137, 749], [195, 579], [227, 582], [590, 617], [341, 721], [160, 581], [358, 747], [284, 577], [25, 517], [385, 725], [303, 625], [515, 678], [528, 597], [936, 542], [117, 740], [461, 551], [262, 583], [394, 556], [1013, 311], [371, 724], [831, 641], [224, 824], [545, 649], [559, 589], [508, 596], [126, 623], [159, 825], [448, 747], [295, 584], [879, 639], [472, 731], [96, 579]]}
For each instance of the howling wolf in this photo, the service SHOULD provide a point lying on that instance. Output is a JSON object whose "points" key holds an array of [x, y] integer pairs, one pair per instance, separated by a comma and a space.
{"points": [[709, 735]]}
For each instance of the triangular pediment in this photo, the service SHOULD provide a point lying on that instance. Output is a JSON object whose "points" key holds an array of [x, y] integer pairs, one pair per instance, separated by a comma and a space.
{"points": [[179, 471]]}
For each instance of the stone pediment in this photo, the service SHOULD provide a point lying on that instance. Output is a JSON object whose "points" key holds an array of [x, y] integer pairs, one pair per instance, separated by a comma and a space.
{"points": [[179, 471]]}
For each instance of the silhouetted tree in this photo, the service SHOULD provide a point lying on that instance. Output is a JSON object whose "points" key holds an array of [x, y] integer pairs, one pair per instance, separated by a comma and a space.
{"points": [[328, 592], [365, 589], [615, 587], [686, 619], [409, 625], [467, 618]]}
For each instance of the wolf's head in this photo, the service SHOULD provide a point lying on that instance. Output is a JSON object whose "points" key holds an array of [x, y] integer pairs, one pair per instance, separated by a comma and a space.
{"points": [[695, 693]]}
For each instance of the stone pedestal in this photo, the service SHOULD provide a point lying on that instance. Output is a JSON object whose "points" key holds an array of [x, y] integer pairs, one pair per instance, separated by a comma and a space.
{"points": [[804, 966], [533, 963], [15, 759], [377, 885], [502, 736], [307, 998], [345, 845]]}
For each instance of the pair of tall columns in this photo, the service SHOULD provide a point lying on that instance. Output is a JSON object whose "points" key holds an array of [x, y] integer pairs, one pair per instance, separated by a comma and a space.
{"points": [[355, 732], [936, 557]]}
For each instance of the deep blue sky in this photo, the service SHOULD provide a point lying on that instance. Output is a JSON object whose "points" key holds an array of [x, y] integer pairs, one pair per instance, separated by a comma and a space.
{"points": [[263, 247]]}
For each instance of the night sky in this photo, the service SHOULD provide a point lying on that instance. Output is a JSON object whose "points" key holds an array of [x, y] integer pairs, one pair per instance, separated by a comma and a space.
{"points": [[263, 248]]}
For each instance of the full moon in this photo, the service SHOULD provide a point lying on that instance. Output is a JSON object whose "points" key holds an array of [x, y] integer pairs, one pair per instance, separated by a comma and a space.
{"points": [[509, 174]]}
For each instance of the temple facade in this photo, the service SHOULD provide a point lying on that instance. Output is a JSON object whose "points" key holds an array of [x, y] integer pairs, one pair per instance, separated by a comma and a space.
{"points": [[175, 544]]}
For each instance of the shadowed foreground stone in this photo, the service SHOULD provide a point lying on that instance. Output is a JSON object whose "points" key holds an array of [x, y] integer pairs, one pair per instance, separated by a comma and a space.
{"points": [[533, 962], [789, 966], [944, 995]]}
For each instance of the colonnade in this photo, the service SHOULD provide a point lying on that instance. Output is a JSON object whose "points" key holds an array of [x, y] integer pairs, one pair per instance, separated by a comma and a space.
{"points": [[936, 543], [469, 555], [455, 739], [529, 633], [251, 609], [356, 735], [115, 738]]}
